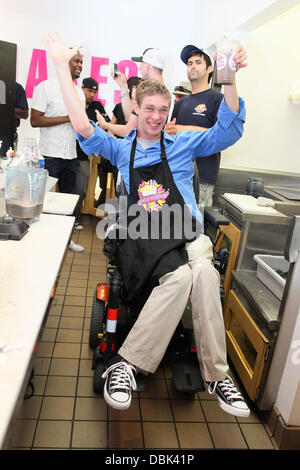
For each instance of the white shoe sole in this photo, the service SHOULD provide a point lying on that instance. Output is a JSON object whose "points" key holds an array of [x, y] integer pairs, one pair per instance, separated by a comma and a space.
{"points": [[242, 413], [77, 249], [116, 404]]}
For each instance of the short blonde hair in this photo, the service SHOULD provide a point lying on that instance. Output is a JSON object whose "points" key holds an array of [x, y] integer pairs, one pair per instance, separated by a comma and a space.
{"points": [[151, 88]]}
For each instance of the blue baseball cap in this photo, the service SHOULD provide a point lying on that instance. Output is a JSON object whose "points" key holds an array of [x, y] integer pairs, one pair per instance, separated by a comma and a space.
{"points": [[188, 50]]}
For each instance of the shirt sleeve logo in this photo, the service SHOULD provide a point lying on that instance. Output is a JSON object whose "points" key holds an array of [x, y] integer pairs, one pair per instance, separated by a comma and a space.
{"points": [[152, 195]]}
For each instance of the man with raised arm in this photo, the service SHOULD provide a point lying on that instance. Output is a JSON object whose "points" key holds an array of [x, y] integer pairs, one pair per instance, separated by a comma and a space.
{"points": [[160, 272]]}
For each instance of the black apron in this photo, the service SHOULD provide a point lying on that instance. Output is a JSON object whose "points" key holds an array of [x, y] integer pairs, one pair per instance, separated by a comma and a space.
{"points": [[143, 261]]}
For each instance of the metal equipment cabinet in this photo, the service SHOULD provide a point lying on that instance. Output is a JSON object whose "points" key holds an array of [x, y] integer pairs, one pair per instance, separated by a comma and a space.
{"points": [[251, 313]]}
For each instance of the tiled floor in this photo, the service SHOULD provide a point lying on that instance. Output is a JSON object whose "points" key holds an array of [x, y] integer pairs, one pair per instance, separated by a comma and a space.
{"points": [[65, 413]]}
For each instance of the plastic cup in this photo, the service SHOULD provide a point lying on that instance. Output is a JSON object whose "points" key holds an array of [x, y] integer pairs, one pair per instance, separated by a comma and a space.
{"points": [[226, 66]]}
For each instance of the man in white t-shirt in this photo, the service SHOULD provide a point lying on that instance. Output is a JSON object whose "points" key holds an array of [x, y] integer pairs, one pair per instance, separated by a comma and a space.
{"points": [[57, 135]]}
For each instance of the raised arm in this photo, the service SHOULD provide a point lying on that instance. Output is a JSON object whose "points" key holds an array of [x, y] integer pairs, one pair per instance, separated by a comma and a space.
{"points": [[172, 128], [118, 129], [127, 107], [60, 55]]}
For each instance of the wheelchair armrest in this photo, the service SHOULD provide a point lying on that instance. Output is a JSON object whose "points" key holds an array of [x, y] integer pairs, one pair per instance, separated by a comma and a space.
{"points": [[214, 217]]}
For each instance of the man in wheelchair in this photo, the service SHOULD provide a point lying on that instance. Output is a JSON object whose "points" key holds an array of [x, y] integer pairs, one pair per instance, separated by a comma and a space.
{"points": [[163, 260]]}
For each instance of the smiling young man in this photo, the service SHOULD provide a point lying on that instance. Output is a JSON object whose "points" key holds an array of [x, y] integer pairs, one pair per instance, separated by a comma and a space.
{"points": [[157, 170]]}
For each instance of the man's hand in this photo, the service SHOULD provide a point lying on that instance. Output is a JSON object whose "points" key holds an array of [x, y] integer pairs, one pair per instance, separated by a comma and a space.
{"points": [[59, 51], [101, 121], [171, 128], [240, 57]]}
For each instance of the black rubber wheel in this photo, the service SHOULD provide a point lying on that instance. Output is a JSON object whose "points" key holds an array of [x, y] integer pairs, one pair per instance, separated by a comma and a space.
{"points": [[98, 382], [97, 318]]}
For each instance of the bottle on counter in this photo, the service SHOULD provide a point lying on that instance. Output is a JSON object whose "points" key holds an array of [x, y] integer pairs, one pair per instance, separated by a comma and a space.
{"points": [[41, 161], [30, 153], [13, 159]]}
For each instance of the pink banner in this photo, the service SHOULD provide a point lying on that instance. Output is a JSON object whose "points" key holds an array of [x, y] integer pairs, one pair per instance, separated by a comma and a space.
{"points": [[38, 73]]}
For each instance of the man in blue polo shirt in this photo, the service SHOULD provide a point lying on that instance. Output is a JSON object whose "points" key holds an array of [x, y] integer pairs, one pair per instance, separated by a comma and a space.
{"points": [[157, 170]]}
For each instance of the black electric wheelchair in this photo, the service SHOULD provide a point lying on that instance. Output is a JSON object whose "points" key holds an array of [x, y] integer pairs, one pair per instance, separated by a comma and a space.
{"points": [[111, 318]]}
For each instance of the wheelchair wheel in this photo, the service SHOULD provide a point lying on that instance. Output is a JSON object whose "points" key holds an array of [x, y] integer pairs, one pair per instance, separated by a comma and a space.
{"points": [[97, 318], [98, 382]]}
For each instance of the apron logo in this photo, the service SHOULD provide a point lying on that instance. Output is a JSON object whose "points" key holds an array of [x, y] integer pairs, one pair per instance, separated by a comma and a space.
{"points": [[152, 195]]}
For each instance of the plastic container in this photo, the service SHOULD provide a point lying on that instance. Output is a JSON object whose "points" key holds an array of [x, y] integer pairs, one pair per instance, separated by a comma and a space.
{"points": [[25, 191], [267, 265]]}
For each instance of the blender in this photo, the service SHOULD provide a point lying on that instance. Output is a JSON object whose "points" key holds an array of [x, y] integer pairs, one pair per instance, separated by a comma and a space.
{"points": [[24, 197]]}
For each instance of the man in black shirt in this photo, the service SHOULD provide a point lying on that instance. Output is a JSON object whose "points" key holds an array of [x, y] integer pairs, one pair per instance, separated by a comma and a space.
{"points": [[198, 111], [21, 109]]}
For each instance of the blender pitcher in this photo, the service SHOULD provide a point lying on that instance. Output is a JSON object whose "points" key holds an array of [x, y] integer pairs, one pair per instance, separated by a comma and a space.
{"points": [[24, 192]]}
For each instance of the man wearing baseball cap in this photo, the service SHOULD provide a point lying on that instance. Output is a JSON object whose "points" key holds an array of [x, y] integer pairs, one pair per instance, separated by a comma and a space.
{"points": [[89, 88], [152, 64], [199, 112], [151, 68]]}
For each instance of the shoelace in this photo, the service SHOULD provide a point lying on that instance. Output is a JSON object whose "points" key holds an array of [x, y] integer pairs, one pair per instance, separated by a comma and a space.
{"points": [[122, 376], [227, 387]]}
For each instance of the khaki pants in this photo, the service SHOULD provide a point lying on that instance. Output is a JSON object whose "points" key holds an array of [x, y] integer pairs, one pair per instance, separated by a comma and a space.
{"points": [[206, 192], [148, 340]]}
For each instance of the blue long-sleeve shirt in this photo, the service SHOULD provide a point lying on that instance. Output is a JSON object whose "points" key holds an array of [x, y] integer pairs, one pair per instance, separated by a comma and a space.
{"points": [[181, 150]]}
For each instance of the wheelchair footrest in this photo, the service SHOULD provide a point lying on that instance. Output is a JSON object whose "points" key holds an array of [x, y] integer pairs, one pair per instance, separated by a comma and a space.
{"points": [[186, 374]]}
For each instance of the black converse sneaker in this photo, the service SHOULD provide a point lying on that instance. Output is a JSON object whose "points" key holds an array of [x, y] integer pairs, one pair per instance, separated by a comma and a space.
{"points": [[118, 385], [230, 399]]}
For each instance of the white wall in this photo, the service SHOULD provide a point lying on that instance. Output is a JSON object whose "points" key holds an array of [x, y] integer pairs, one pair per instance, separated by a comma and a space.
{"points": [[121, 29], [271, 138]]}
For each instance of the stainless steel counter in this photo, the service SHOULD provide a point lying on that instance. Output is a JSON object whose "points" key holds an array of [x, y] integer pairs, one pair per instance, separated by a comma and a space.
{"points": [[283, 193], [263, 231]]}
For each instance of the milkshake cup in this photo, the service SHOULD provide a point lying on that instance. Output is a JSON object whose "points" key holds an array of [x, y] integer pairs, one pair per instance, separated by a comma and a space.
{"points": [[226, 66]]}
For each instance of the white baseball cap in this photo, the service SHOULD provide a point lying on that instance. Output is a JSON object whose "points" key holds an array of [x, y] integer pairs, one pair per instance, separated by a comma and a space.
{"points": [[151, 56]]}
